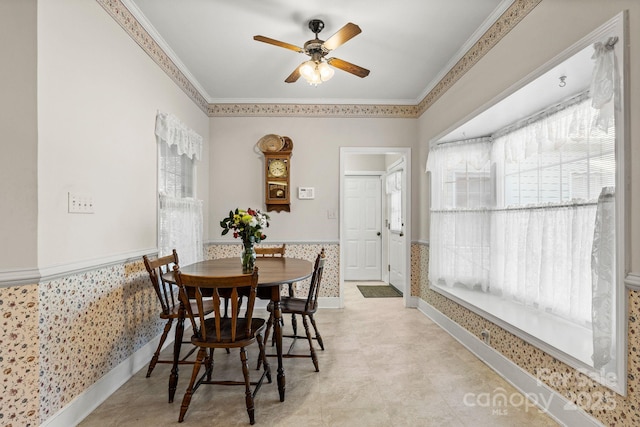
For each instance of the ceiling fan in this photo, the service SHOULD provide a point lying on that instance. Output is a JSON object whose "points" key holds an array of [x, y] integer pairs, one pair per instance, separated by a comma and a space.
{"points": [[317, 69]]}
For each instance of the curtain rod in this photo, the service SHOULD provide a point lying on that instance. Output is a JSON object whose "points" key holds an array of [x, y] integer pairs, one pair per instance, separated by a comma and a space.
{"points": [[524, 208]]}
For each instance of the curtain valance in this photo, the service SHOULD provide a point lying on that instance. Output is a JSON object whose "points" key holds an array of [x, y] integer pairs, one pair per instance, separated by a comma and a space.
{"points": [[474, 153], [173, 132]]}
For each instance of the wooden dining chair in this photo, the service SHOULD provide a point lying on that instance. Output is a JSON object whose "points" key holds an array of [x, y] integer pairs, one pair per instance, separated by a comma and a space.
{"points": [[219, 331], [306, 308], [270, 251], [171, 309], [273, 252]]}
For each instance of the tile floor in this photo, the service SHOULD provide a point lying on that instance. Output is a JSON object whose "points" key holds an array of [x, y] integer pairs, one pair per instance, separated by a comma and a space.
{"points": [[384, 365]]}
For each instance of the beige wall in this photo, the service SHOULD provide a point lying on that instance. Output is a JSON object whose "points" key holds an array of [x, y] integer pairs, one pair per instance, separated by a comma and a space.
{"points": [[97, 102], [18, 122], [237, 177]]}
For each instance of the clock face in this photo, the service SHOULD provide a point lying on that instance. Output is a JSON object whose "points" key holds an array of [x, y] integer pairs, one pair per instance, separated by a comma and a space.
{"points": [[277, 168]]}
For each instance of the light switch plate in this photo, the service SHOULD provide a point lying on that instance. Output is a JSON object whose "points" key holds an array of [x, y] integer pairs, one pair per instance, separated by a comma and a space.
{"points": [[80, 203]]}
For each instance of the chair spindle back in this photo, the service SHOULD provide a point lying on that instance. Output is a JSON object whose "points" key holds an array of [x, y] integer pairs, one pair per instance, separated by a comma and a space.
{"points": [[164, 290], [219, 289], [316, 279]]}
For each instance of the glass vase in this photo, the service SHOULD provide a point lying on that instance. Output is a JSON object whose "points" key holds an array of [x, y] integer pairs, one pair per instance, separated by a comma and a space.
{"points": [[248, 257]]}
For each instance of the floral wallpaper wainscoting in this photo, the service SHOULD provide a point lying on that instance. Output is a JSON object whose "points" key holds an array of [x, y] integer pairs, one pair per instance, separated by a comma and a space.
{"points": [[19, 356], [89, 323]]}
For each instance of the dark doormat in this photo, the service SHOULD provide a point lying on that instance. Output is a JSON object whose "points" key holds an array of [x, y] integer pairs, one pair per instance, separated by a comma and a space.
{"points": [[378, 291]]}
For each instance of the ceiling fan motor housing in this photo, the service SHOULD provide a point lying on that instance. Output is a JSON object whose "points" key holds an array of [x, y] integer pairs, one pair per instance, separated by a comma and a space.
{"points": [[316, 25], [315, 48]]}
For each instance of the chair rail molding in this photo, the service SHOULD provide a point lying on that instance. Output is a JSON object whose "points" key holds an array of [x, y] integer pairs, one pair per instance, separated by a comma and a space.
{"points": [[20, 277], [632, 281]]}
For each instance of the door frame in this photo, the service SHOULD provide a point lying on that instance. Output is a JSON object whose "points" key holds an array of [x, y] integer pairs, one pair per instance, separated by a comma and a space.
{"points": [[405, 152]]}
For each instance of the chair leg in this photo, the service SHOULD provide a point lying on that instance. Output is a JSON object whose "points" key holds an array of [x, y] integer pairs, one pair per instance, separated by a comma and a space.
{"points": [[202, 353], [154, 359], [177, 344], [294, 324], [266, 338], [314, 358], [318, 337], [208, 363], [262, 357], [247, 386], [273, 338]]}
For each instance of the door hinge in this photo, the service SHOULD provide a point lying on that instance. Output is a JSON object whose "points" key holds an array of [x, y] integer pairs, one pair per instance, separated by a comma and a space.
{"points": [[388, 267]]}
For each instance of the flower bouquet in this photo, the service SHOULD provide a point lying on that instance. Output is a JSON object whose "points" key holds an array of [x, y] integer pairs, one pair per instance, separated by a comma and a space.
{"points": [[248, 225]]}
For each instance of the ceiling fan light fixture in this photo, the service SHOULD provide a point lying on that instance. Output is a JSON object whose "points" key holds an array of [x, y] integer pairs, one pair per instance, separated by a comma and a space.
{"points": [[316, 72], [307, 69], [326, 72]]}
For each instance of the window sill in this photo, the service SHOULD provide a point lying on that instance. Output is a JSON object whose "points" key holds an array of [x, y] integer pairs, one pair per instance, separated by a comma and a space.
{"points": [[564, 340]]}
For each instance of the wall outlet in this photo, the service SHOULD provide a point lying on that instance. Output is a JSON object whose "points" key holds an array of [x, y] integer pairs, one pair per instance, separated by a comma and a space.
{"points": [[486, 337]]}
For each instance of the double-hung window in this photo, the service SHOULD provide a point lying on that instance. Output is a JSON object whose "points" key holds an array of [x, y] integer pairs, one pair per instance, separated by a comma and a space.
{"points": [[180, 221]]}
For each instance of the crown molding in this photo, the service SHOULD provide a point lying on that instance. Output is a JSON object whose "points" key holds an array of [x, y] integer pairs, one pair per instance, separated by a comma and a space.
{"points": [[172, 67], [505, 23], [140, 35]]}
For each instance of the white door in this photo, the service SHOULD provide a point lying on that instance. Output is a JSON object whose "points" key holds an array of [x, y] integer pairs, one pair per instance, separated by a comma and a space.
{"points": [[396, 260], [362, 215], [395, 213]]}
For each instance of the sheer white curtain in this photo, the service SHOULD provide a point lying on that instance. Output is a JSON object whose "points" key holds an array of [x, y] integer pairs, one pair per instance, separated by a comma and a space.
{"points": [[459, 248], [526, 233], [180, 214], [603, 264], [181, 228], [459, 232], [541, 257]]}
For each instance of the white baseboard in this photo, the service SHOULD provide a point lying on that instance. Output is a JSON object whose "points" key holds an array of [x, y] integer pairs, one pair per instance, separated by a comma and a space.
{"points": [[81, 406], [547, 399]]}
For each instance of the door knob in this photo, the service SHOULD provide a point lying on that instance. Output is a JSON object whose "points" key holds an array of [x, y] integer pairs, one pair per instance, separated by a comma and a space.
{"points": [[378, 233], [401, 234]]}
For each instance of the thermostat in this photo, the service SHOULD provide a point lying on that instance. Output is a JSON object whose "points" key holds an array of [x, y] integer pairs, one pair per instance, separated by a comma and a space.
{"points": [[306, 192]]}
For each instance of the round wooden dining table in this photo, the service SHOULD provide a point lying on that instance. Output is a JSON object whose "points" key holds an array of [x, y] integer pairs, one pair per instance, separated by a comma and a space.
{"points": [[272, 272]]}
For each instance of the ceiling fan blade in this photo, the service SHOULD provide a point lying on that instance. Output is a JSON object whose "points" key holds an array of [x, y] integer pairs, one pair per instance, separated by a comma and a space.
{"points": [[294, 76], [348, 67], [278, 43], [343, 35]]}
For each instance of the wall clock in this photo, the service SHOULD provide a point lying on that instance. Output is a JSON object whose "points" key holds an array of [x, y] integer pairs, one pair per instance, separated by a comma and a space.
{"points": [[277, 171]]}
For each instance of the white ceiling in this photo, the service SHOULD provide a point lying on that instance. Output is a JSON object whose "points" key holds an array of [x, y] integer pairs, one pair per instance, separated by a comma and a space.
{"points": [[540, 93], [408, 45]]}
